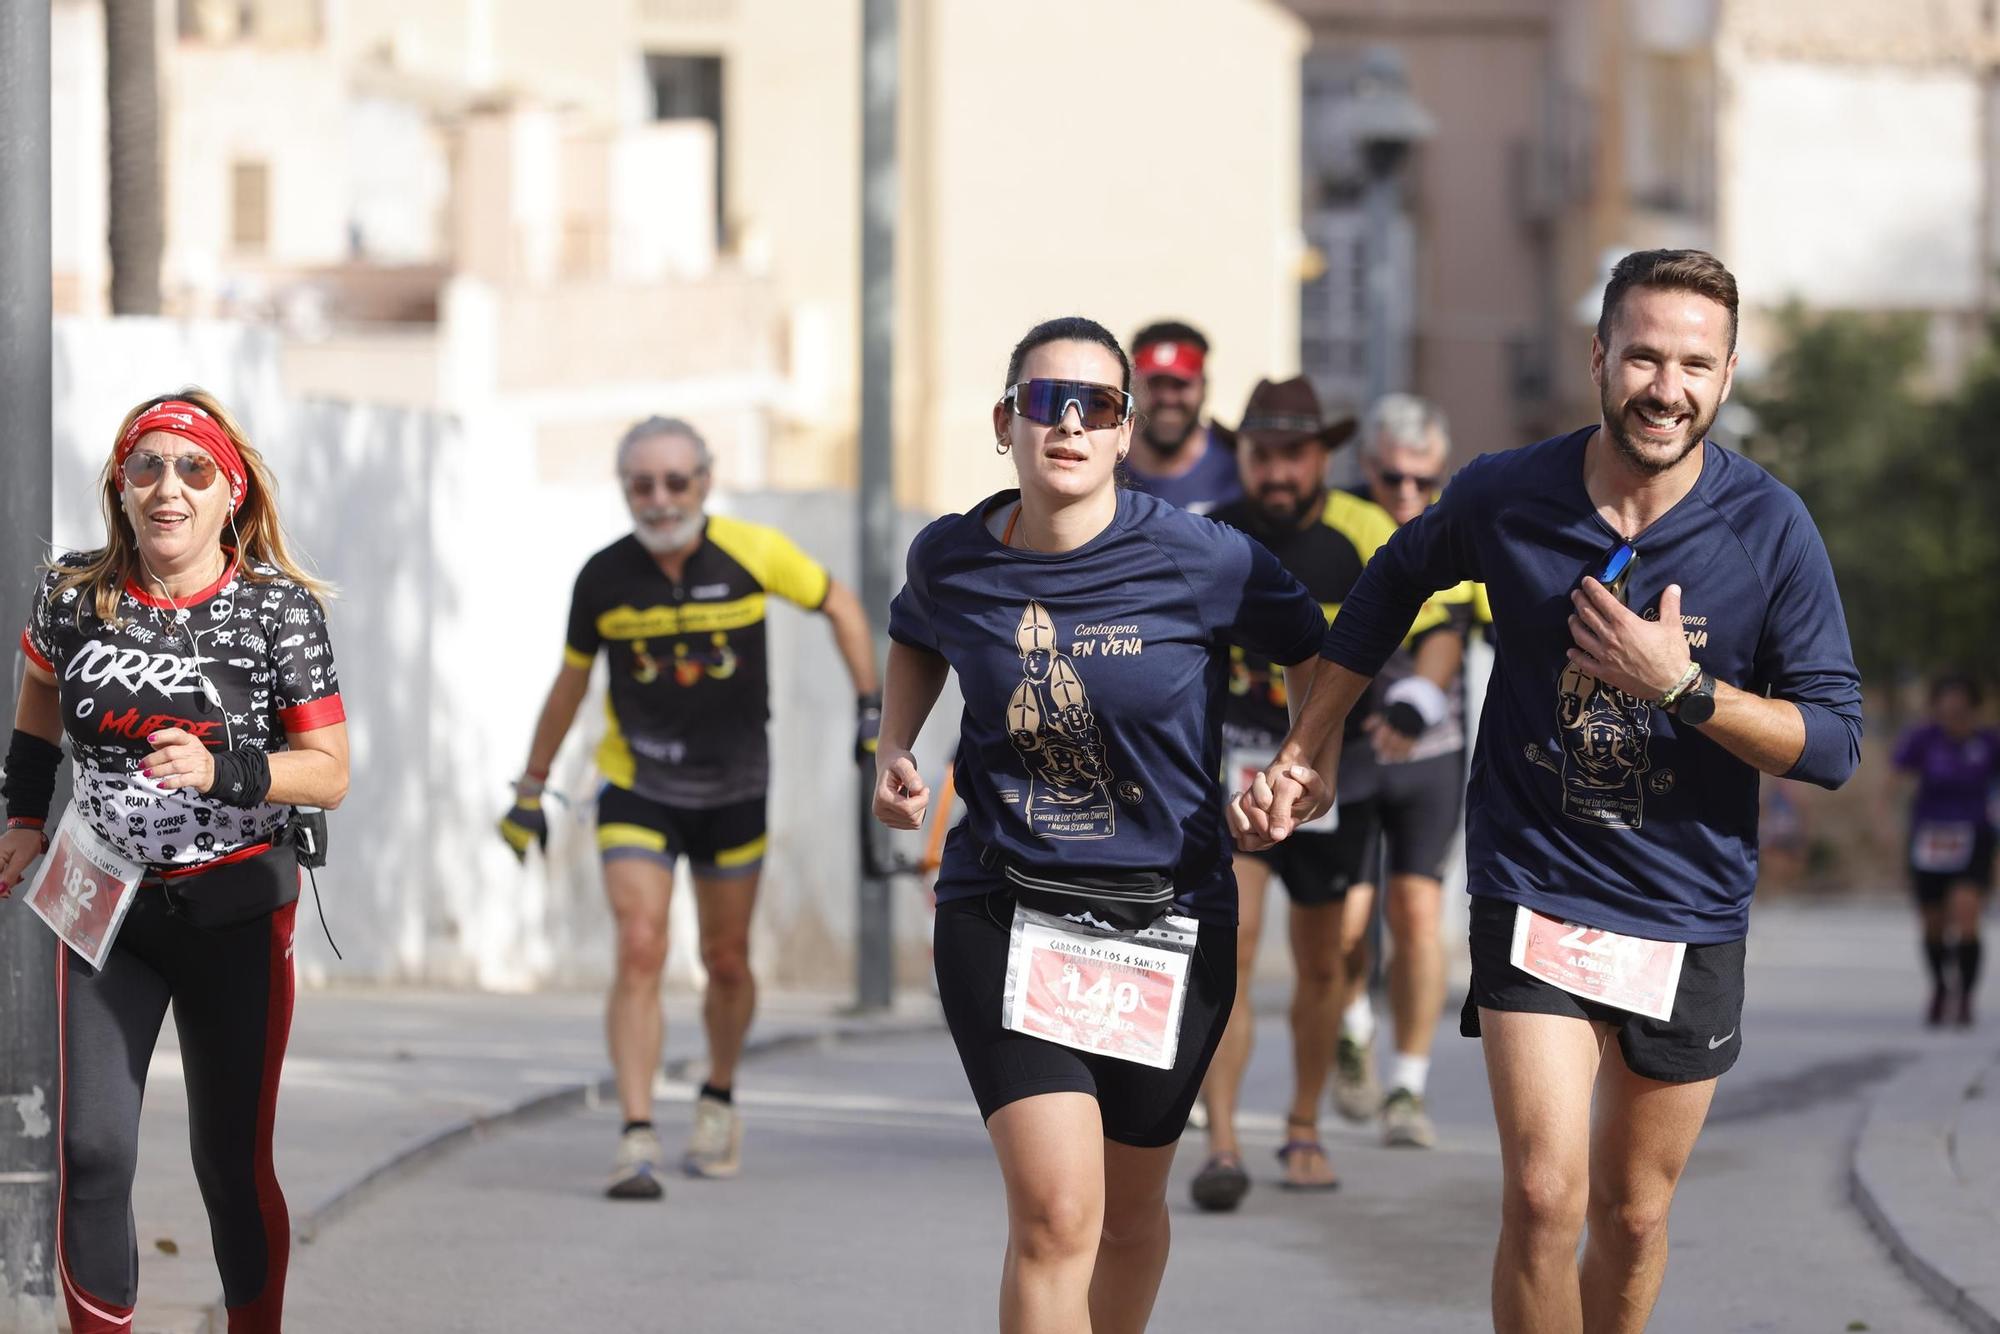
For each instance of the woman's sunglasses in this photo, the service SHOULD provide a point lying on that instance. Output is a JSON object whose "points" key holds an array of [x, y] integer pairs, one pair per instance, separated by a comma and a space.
{"points": [[642, 484], [1098, 406], [196, 471]]}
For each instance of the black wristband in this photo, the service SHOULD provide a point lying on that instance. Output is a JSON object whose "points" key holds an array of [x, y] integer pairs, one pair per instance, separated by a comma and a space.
{"points": [[242, 777], [30, 786], [1404, 717]]}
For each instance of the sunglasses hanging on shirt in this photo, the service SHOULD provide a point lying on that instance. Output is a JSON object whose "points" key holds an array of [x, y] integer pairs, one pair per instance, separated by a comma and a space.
{"points": [[1616, 568]]}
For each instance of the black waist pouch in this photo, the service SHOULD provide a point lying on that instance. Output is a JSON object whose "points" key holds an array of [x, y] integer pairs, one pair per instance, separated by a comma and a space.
{"points": [[1122, 900], [229, 893]]}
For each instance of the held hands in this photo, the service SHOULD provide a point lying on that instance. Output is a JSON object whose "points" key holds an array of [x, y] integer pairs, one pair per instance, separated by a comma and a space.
{"points": [[1643, 658], [1284, 797], [18, 850], [900, 794], [178, 760]]}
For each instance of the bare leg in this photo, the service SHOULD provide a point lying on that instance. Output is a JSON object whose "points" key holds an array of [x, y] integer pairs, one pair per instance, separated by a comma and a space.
{"points": [[1318, 994], [1541, 1068], [638, 889], [1355, 960], [1416, 969], [724, 904], [1232, 1055], [1132, 1254], [1051, 1151], [1641, 1134]]}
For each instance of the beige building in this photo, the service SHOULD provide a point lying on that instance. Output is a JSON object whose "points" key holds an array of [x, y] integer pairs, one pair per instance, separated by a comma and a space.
{"points": [[585, 211], [1836, 153]]}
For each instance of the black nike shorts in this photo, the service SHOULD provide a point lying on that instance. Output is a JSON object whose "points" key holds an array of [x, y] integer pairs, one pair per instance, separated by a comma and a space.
{"points": [[1701, 1041], [1140, 1106], [725, 841]]}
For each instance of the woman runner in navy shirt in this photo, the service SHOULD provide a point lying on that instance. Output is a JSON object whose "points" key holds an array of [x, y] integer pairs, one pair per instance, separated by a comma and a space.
{"points": [[1090, 630]]}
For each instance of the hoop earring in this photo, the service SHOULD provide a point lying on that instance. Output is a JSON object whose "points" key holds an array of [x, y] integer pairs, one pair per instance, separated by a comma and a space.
{"points": [[1002, 445]]}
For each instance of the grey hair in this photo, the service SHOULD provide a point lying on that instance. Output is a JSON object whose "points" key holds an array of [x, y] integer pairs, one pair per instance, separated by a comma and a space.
{"points": [[657, 426], [1404, 419]]}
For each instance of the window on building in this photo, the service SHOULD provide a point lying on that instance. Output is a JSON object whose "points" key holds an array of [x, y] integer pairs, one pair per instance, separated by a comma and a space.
{"points": [[250, 206], [690, 88]]}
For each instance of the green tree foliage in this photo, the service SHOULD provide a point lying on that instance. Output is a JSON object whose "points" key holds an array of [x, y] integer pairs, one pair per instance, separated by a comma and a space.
{"points": [[1901, 482]]}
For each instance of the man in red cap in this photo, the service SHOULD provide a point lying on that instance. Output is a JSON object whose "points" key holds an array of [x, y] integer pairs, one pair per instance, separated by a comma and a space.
{"points": [[1175, 455]]}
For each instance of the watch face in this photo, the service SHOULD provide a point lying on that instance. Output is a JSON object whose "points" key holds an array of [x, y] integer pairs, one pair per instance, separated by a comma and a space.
{"points": [[1699, 706]]}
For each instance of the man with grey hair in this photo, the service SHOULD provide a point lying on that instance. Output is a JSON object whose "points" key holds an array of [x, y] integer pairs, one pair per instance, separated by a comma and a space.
{"points": [[1405, 782], [677, 608]]}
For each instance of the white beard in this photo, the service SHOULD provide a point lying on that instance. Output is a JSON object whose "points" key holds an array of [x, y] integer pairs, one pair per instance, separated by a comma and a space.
{"points": [[664, 537]]}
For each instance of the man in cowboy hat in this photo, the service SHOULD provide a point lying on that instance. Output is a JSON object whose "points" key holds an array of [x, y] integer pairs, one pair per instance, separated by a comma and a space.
{"points": [[1175, 455], [1324, 538]]}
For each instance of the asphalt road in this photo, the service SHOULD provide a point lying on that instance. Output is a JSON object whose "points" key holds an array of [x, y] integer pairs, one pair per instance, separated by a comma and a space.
{"points": [[869, 1199]]}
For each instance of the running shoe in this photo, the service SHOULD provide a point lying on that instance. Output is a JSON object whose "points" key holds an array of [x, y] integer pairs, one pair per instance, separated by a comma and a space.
{"points": [[636, 1175], [715, 1149], [1940, 1002], [1405, 1124], [1221, 1184], [1356, 1095]]}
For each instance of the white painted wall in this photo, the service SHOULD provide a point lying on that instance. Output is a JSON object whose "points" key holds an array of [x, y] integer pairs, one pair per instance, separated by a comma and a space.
{"points": [[454, 560], [1852, 186]]}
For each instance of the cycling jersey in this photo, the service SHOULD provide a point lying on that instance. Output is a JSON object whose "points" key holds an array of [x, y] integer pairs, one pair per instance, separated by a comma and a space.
{"points": [[690, 693], [258, 642]]}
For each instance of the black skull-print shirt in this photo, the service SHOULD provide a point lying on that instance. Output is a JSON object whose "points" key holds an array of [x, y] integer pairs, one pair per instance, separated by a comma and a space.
{"points": [[258, 640]]}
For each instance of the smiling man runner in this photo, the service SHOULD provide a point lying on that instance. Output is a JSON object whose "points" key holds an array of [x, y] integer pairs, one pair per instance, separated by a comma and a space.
{"points": [[1612, 816], [677, 607]]}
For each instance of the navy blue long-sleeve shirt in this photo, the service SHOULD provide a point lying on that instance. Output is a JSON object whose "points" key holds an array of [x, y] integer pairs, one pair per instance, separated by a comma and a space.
{"points": [[1585, 803]]}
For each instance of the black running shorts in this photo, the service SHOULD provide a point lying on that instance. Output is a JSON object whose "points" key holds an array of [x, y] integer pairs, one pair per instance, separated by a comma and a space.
{"points": [[1701, 1041], [1932, 886], [1141, 1106], [1414, 810], [1318, 869]]}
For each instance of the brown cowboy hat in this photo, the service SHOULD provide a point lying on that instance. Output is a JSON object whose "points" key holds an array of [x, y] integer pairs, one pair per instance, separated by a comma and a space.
{"points": [[1282, 413]]}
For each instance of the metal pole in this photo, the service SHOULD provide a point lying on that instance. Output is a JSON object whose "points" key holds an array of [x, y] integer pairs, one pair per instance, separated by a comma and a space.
{"points": [[880, 58], [1386, 372], [28, 1090]]}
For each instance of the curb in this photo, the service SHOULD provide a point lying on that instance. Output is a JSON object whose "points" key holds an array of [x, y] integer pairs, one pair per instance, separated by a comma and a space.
{"points": [[1905, 1177], [549, 1103]]}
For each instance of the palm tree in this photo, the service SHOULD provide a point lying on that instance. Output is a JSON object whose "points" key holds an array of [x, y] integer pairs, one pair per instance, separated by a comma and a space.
{"points": [[138, 221]]}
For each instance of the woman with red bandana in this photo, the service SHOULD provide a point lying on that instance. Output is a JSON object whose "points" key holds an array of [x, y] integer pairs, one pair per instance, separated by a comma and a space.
{"points": [[186, 662]]}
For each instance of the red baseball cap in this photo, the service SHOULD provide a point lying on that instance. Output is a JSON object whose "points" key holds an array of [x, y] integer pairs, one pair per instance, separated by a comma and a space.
{"points": [[1177, 358]]}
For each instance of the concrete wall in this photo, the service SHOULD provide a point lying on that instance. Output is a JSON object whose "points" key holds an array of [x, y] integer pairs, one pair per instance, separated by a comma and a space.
{"points": [[454, 558]]}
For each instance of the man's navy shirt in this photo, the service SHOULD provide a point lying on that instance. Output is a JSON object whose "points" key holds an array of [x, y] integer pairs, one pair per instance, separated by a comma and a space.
{"points": [[1585, 803], [1093, 683]]}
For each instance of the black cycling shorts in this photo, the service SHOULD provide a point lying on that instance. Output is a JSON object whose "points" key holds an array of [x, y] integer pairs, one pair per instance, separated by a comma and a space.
{"points": [[1931, 887], [1141, 1106], [1701, 1041], [727, 840], [1415, 807]]}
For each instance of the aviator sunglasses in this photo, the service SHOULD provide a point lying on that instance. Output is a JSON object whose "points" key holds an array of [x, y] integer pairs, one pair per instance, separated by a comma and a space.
{"points": [[1098, 406], [1394, 481], [197, 471], [641, 484]]}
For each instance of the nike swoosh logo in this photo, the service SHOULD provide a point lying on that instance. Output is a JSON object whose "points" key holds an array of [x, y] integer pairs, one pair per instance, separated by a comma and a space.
{"points": [[1713, 1043]]}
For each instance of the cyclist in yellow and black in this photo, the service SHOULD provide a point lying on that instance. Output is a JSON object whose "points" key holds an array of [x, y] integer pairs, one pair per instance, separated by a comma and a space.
{"points": [[677, 606]]}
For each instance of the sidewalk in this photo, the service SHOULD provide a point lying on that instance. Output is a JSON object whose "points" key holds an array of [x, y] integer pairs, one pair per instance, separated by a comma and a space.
{"points": [[1926, 1173], [377, 1080]]}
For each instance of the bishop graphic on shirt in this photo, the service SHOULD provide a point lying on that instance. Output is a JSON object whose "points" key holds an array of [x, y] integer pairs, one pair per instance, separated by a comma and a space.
{"points": [[1050, 722]]}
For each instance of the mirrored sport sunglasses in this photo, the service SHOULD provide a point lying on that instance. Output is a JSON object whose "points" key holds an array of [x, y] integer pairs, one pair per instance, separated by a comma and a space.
{"points": [[1616, 569], [642, 484], [1099, 406], [196, 470]]}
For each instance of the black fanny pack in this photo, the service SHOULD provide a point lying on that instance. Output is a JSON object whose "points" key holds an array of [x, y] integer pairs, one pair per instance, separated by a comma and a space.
{"points": [[1122, 900], [230, 893]]}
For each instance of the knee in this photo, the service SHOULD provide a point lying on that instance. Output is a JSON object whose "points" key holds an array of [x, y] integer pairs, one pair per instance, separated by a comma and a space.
{"points": [[1414, 913], [1546, 1203], [642, 951], [1059, 1225], [728, 963], [99, 1160], [1315, 971], [1630, 1225]]}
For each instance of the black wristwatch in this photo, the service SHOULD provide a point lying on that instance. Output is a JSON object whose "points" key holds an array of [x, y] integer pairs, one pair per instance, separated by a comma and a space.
{"points": [[1697, 703]]}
